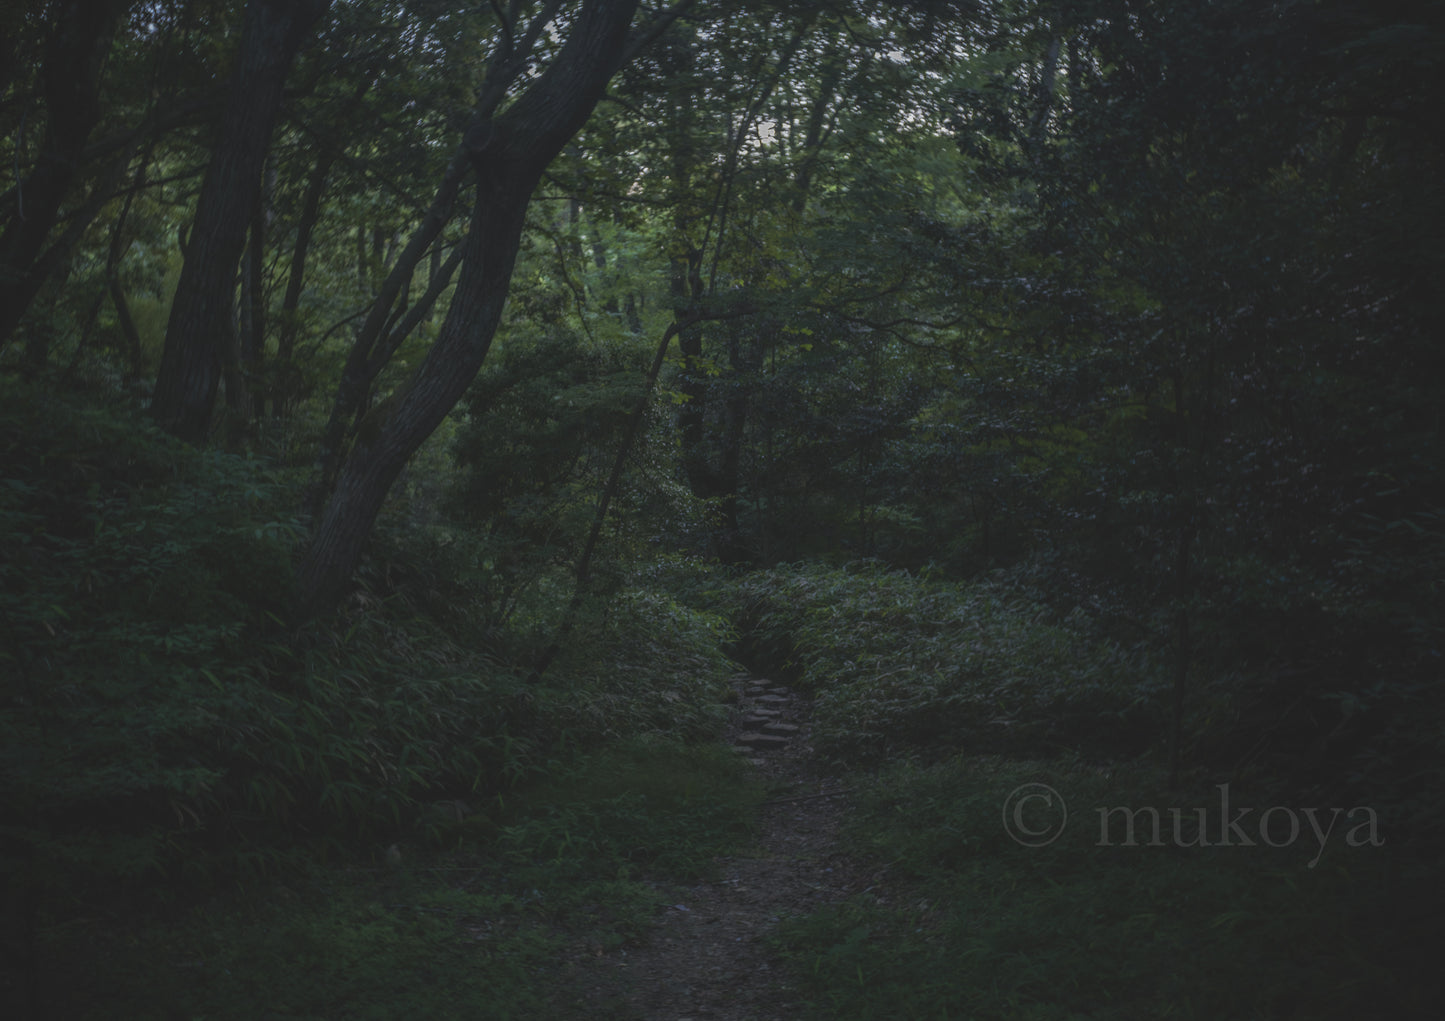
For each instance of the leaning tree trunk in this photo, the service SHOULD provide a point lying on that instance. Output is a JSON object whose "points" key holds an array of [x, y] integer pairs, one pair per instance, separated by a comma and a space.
{"points": [[364, 361], [509, 155], [198, 333]]}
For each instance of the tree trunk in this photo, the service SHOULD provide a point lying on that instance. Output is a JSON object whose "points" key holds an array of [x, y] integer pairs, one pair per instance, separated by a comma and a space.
{"points": [[814, 133], [55, 260], [359, 371], [71, 82], [1038, 123], [290, 325], [199, 330], [135, 357], [253, 301], [510, 156], [381, 452]]}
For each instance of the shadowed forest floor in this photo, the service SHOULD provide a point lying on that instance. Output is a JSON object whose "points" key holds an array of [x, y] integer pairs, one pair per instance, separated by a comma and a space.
{"points": [[709, 955]]}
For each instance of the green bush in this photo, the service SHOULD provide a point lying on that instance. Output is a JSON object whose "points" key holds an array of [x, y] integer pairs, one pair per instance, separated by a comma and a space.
{"points": [[900, 663], [134, 577], [642, 662]]}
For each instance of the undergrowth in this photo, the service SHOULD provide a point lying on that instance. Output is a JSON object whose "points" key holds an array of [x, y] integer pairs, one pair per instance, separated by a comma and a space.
{"points": [[481, 929], [164, 725], [902, 664], [974, 924], [207, 810]]}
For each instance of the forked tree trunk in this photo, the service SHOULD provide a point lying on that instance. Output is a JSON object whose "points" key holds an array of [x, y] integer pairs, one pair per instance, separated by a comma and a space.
{"points": [[509, 156]]}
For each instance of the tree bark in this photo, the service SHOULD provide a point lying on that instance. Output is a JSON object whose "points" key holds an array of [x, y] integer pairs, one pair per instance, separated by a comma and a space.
{"points": [[1038, 123], [290, 325], [135, 358], [54, 261], [253, 302], [71, 82], [814, 133], [199, 329], [509, 155], [359, 371]]}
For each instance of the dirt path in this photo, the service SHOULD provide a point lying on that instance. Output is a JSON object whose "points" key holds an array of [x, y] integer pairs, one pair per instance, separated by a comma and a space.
{"points": [[708, 959]]}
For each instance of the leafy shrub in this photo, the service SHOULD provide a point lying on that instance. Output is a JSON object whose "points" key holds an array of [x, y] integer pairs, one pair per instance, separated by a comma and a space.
{"points": [[643, 662], [133, 576], [898, 663]]}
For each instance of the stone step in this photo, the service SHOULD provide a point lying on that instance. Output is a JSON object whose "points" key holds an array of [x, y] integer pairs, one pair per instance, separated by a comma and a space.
{"points": [[773, 699], [786, 729], [753, 739]]}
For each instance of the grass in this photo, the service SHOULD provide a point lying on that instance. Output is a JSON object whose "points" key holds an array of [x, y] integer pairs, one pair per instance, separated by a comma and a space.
{"points": [[979, 926], [351, 945], [476, 931]]}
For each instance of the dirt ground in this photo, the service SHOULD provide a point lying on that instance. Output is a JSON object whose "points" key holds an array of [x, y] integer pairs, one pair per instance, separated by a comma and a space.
{"points": [[708, 958]]}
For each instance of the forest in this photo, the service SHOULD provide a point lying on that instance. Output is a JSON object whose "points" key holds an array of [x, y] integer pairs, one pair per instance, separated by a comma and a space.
{"points": [[438, 437]]}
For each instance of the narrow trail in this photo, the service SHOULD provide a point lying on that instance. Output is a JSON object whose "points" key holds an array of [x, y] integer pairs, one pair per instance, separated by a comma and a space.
{"points": [[708, 958]]}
